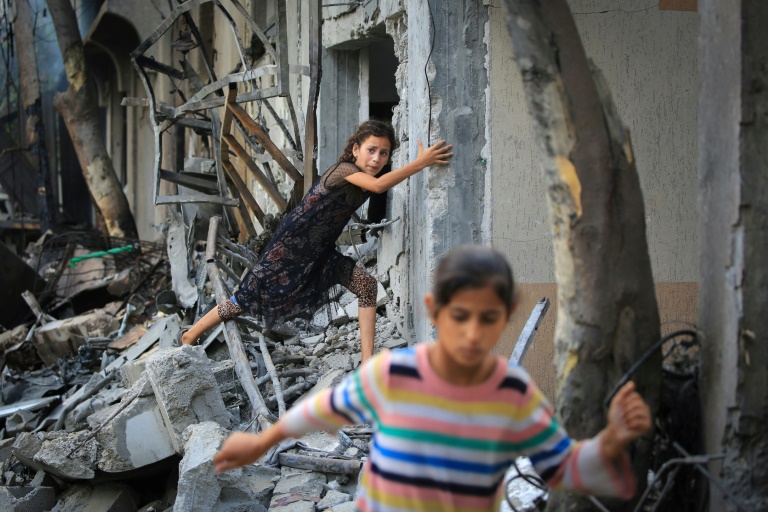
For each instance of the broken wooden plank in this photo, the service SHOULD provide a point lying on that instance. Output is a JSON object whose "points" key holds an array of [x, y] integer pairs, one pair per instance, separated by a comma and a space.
{"points": [[232, 334], [276, 386], [196, 198], [265, 141]]}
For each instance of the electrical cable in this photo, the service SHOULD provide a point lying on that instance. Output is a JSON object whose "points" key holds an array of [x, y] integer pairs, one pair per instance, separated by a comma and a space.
{"points": [[426, 76]]}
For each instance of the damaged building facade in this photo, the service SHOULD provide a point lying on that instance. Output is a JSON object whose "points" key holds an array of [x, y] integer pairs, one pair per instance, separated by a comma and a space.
{"points": [[438, 70]]}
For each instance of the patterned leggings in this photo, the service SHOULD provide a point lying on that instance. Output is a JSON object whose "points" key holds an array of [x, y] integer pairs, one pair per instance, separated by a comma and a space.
{"points": [[361, 284]]}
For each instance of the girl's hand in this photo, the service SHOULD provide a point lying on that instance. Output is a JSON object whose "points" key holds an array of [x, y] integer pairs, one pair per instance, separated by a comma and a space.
{"points": [[628, 419], [437, 154], [240, 449]]}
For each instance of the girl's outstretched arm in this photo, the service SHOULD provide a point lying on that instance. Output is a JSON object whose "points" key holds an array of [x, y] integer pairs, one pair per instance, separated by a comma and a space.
{"points": [[437, 154], [242, 448], [628, 419]]}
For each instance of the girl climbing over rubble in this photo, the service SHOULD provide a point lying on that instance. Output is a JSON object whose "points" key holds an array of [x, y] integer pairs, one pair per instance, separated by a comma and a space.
{"points": [[300, 265], [450, 417]]}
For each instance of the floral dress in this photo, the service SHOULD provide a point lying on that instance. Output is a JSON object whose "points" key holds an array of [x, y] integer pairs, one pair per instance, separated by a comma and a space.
{"points": [[300, 265]]}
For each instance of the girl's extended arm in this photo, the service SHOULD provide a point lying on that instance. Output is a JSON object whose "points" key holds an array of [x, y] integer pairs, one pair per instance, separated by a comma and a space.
{"points": [[350, 402], [437, 154], [241, 448]]}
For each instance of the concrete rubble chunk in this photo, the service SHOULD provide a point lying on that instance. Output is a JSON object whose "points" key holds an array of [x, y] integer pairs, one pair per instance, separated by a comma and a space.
{"points": [[62, 338], [381, 296], [137, 436], [333, 498], [200, 488], [344, 507], [49, 452], [393, 343], [297, 490], [27, 499], [186, 390], [105, 497]]}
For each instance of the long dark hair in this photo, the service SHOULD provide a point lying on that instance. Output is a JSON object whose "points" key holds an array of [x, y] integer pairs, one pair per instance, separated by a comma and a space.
{"points": [[371, 127], [473, 266]]}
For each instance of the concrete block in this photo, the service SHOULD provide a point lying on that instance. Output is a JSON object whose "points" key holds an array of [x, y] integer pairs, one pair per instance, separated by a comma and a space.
{"points": [[352, 310], [137, 436], [105, 497], [132, 371], [186, 390], [381, 295], [62, 338], [27, 499], [49, 452], [331, 378], [347, 298], [201, 489]]}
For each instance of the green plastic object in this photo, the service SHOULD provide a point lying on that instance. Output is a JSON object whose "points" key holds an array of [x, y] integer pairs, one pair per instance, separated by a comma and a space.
{"points": [[74, 261]]}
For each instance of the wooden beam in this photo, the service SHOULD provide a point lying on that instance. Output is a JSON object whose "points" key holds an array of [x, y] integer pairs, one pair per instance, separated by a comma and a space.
{"points": [[265, 182], [315, 72], [242, 188]]}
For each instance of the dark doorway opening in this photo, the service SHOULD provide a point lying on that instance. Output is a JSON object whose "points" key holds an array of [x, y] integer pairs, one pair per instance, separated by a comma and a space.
{"points": [[382, 90], [382, 98]]}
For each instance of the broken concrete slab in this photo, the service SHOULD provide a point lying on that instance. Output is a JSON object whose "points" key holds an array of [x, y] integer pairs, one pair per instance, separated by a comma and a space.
{"points": [[137, 436], [394, 343], [344, 507], [186, 390], [27, 498], [163, 331], [381, 296], [297, 490], [62, 338], [202, 489], [49, 452], [105, 497]]}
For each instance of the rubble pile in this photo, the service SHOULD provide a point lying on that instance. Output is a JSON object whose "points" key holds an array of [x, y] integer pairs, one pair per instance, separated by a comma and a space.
{"points": [[102, 411]]}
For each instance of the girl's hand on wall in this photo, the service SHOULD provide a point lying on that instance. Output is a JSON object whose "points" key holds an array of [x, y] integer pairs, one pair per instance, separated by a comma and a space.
{"points": [[240, 449], [437, 154], [628, 419]]}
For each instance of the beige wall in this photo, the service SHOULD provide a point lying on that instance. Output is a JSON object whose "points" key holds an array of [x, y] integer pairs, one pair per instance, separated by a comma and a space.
{"points": [[677, 310], [649, 59]]}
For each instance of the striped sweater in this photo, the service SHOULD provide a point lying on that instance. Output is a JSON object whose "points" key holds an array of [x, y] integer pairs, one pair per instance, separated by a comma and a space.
{"points": [[437, 446]]}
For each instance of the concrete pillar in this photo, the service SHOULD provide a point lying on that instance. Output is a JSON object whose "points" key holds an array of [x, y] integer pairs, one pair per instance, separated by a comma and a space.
{"points": [[446, 203], [733, 158]]}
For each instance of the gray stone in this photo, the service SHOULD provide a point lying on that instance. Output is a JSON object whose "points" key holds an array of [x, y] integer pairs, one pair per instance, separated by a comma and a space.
{"points": [[393, 343], [200, 488], [347, 298], [312, 340], [105, 497], [186, 390], [340, 361], [27, 499], [49, 452], [344, 507], [137, 436], [319, 349], [6, 446], [333, 498], [292, 504]]}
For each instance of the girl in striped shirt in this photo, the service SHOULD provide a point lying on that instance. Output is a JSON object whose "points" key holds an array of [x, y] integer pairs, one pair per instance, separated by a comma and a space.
{"points": [[449, 417]]}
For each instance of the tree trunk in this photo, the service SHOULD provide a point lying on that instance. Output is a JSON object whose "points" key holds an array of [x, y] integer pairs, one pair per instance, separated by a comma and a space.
{"points": [[29, 83], [79, 109], [733, 276], [607, 312]]}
